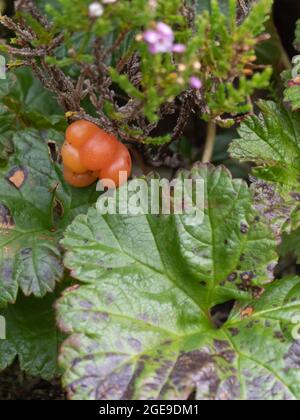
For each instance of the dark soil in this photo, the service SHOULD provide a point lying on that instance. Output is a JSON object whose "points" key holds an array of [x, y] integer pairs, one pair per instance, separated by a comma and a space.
{"points": [[15, 385]]}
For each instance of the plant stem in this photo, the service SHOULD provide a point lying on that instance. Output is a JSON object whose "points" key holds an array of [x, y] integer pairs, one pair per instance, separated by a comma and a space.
{"points": [[209, 142]]}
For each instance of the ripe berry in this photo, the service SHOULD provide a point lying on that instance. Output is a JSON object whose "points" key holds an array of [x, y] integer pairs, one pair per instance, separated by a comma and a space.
{"points": [[122, 163], [99, 151], [79, 180], [72, 160], [79, 132]]}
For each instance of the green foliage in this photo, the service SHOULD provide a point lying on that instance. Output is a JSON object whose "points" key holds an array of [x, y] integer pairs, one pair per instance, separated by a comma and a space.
{"points": [[227, 51], [25, 103], [292, 78], [291, 245], [271, 140], [32, 336], [292, 84], [297, 40], [224, 51], [145, 320], [219, 52], [152, 296], [35, 207], [144, 357], [115, 15], [31, 195]]}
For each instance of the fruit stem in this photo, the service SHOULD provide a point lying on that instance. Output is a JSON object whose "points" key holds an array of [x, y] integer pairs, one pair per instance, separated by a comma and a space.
{"points": [[209, 142]]}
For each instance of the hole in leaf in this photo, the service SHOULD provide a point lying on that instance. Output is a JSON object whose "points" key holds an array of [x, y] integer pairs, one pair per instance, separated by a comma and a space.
{"points": [[53, 151], [58, 211], [220, 313]]}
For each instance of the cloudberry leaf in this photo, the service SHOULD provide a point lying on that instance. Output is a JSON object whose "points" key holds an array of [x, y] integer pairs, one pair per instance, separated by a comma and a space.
{"points": [[140, 324]]}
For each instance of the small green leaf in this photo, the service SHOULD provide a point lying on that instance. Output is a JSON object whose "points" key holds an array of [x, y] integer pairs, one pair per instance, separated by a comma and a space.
{"points": [[271, 140], [32, 336], [28, 104], [30, 260], [291, 245]]}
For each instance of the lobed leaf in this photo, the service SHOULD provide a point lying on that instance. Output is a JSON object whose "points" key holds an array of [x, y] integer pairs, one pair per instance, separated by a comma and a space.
{"points": [[35, 207], [140, 327], [271, 141], [32, 193]]}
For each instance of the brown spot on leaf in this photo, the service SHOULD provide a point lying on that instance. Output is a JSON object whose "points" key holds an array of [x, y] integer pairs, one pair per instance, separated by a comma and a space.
{"points": [[230, 389], [244, 228], [234, 331], [247, 312], [6, 220], [257, 292], [232, 277], [295, 196], [85, 304], [128, 394], [135, 344], [279, 335], [17, 177], [292, 358], [246, 277], [72, 288], [192, 370]]}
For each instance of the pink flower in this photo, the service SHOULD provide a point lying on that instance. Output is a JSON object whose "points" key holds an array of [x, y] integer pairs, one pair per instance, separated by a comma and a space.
{"points": [[195, 82], [165, 31], [151, 37], [161, 40], [179, 48]]}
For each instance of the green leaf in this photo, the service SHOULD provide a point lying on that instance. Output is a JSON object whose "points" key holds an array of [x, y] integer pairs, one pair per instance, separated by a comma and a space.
{"points": [[291, 79], [203, 5], [208, 252], [141, 325], [32, 336], [143, 356], [265, 353], [297, 40], [35, 206], [30, 260], [271, 140], [292, 95], [290, 245], [7, 84], [28, 103]]}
